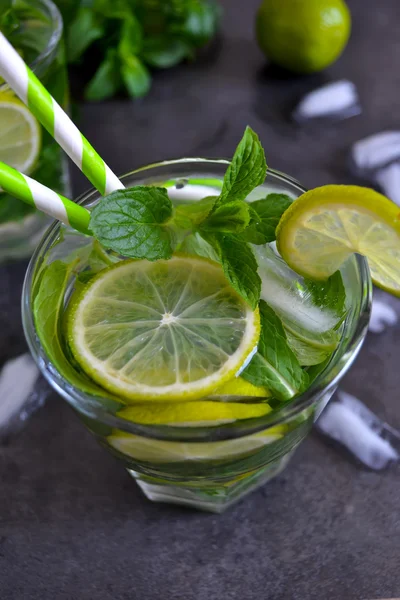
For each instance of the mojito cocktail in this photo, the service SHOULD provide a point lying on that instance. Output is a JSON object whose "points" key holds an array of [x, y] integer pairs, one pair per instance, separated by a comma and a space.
{"points": [[201, 363]]}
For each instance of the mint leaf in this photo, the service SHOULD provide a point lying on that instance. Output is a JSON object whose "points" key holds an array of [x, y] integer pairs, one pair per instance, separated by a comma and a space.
{"points": [[232, 217], [5, 5], [329, 294], [9, 19], [134, 73], [133, 222], [48, 307], [131, 37], [106, 81], [310, 322], [195, 245], [246, 171], [238, 263], [314, 371], [310, 348], [135, 76], [163, 51], [201, 22], [265, 215], [99, 259], [82, 32], [190, 215], [313, 347], [275, 366]]}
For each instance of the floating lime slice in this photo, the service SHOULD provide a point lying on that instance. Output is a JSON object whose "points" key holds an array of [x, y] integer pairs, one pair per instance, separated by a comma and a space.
{"points": [[166, 330]]}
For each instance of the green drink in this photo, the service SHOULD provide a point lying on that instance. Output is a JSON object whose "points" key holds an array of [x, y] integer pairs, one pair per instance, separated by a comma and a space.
{"points": [[203, 368], [34, 27]]}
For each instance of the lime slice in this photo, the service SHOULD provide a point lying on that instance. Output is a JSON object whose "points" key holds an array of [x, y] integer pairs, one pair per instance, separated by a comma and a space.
{"points": [[157, 451], [193, 414], [238, 388], [323, 227], [165, 330], [20, 134]]}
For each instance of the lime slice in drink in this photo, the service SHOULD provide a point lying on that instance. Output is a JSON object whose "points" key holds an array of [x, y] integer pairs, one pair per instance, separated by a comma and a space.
{"points": [[238, 388], [159, 451], [192, 414], [323, 227], [168, 330], [20, 134]]}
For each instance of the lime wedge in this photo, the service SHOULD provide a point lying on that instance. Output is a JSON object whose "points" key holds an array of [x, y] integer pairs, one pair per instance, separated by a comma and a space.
{"points": [[20, 134], [323, 227], [168, 330]]}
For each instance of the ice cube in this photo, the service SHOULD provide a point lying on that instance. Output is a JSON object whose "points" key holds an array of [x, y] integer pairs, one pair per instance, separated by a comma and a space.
{"points": [[375, 152], [388, 179], [21, 393], [377, 159], [336, 100], [348, 421], [309, 328], [382, 315], [282, 289]]}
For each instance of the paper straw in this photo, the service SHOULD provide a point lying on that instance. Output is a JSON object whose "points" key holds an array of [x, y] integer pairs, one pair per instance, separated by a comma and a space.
{"points": [[50, 114], [43, 198]]}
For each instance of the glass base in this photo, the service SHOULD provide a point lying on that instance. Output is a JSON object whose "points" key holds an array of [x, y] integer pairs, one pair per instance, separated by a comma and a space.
{"points": [[213, 496]]}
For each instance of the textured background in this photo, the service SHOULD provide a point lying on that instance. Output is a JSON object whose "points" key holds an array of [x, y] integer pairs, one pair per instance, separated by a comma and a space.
{"points": [[72, 523]]}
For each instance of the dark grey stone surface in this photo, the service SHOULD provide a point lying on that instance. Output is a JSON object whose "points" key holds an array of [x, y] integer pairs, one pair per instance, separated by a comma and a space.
{"points": [[72, 523]]}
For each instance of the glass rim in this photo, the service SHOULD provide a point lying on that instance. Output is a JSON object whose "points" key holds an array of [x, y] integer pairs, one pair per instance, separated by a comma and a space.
{"points": [[55, 37], [325, 382]]}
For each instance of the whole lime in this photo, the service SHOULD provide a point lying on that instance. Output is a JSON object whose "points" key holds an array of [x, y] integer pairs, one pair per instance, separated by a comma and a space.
{"points": [[303, 36]]}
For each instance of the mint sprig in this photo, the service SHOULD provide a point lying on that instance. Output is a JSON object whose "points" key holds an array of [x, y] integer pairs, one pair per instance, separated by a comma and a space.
{"points": [[246, 171], [140, 222]]}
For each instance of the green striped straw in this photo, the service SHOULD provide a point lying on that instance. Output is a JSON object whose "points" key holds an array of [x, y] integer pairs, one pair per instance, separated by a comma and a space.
{"points": [[50, 114], [43, 198]]}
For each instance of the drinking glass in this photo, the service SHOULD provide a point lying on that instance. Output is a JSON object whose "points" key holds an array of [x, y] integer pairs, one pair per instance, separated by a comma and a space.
{"points": [[38, 37], [206, 467]]}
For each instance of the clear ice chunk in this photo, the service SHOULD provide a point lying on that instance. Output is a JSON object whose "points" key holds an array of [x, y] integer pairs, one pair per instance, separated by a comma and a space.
{"points": [[336, 100], [309, 327], [377, 158], [348, 421], [375, 152], [22, 392], [382, 316], [388, 179], [282, 288]]}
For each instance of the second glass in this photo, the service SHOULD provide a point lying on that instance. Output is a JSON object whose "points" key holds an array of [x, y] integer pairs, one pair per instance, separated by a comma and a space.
{"points": [[36, 32]]}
